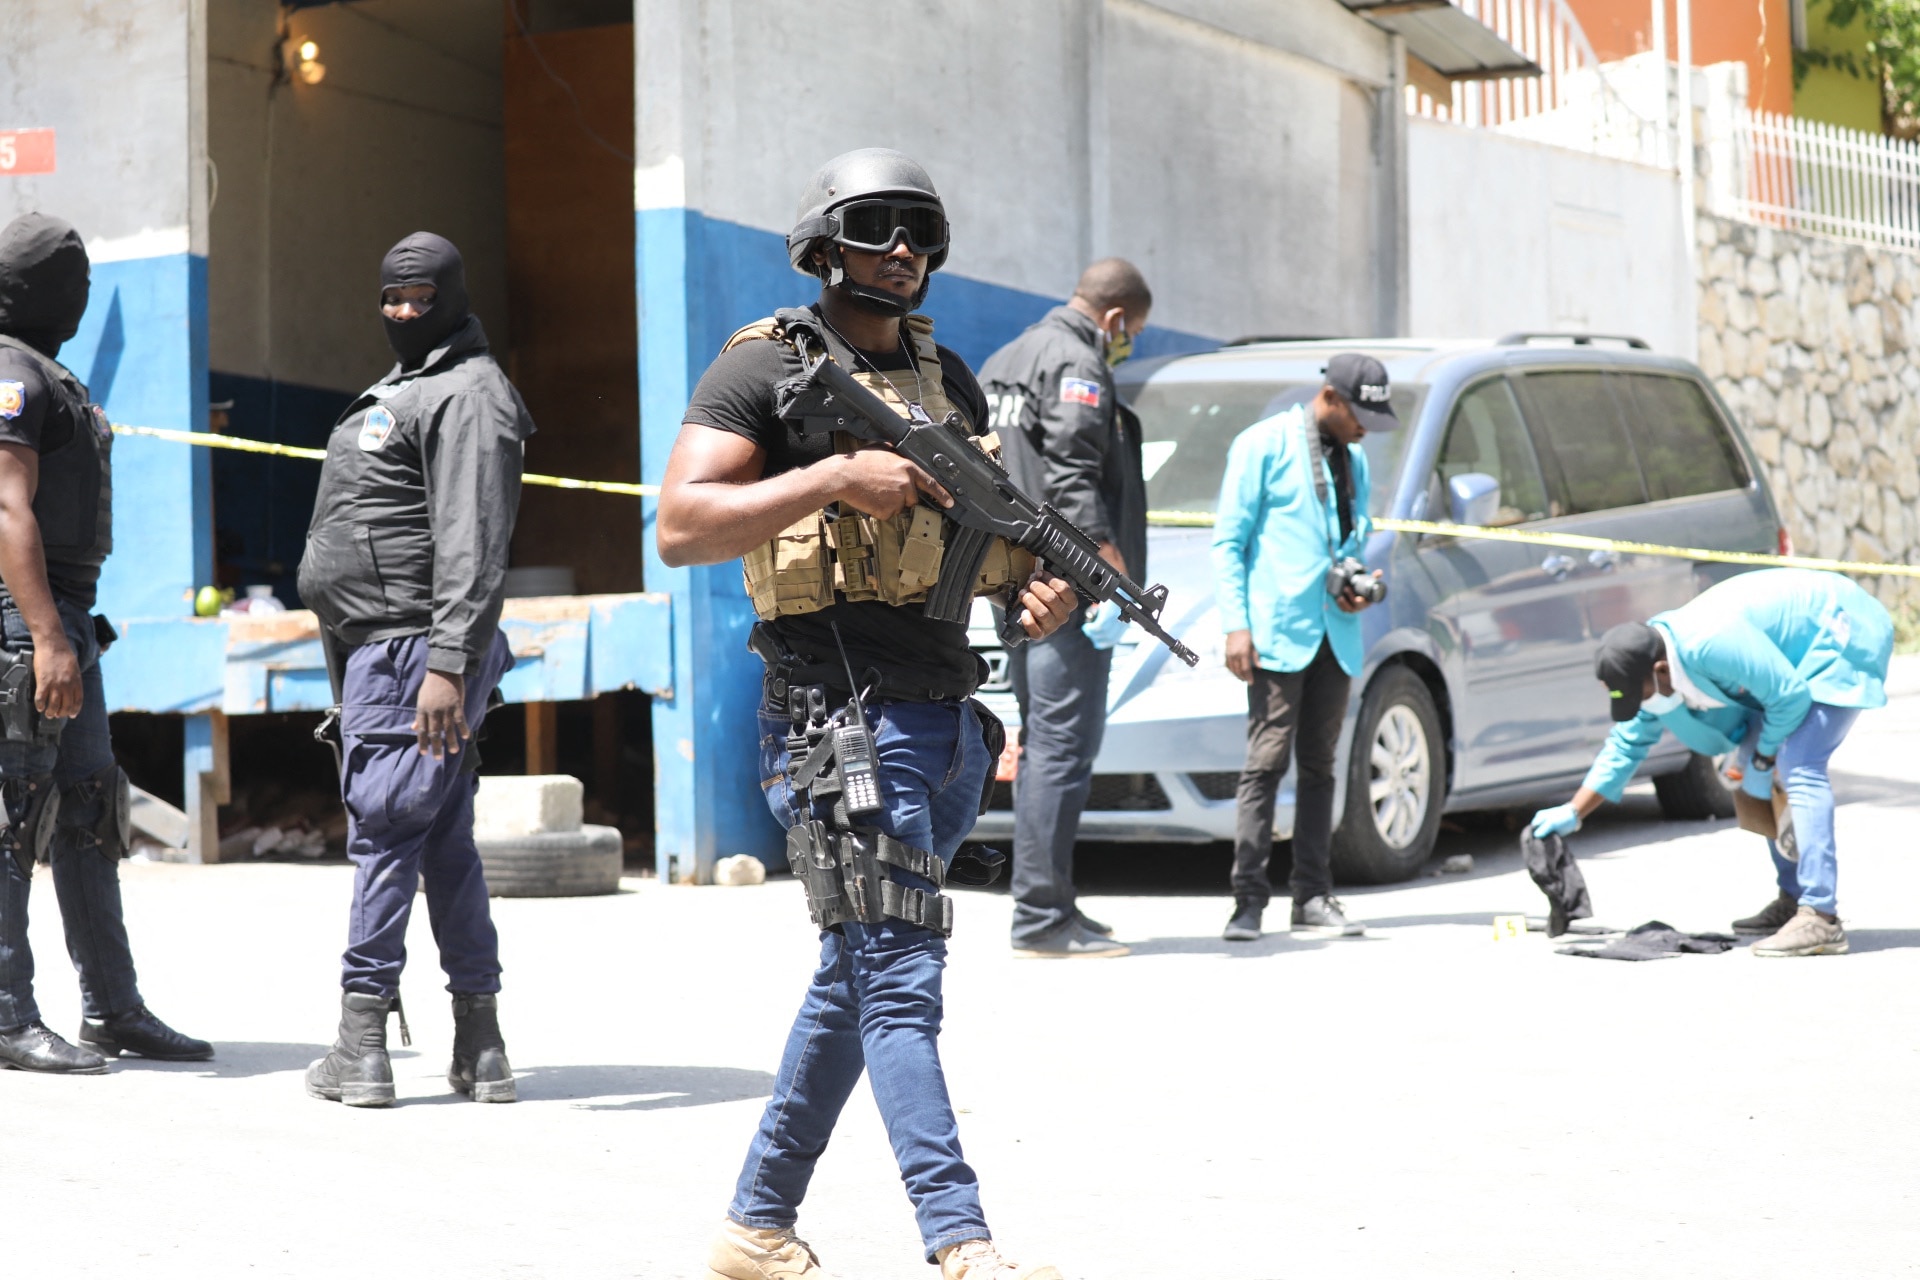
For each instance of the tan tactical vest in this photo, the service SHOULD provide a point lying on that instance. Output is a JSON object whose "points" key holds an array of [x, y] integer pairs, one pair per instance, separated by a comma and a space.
{"points": [[861, 558]]}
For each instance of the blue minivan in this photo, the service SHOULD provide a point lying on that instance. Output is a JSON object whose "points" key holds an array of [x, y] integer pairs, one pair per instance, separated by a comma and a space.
{"points": [[1478, 689]]}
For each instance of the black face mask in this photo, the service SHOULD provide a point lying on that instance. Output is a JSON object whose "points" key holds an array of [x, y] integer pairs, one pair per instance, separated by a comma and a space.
{"points": [[425, 258], [43, 281]]}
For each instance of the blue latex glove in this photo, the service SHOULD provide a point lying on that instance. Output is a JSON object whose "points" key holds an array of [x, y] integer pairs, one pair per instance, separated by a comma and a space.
{"points": [[1561, 820], [1758, 783], [1104, 626]]}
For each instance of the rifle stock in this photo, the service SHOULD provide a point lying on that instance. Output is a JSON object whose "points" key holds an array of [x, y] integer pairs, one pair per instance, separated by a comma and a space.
{"points": [[825, 397]]}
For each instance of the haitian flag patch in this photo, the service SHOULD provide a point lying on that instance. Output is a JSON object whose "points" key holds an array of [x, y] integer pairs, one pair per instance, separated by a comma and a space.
{"points": [[1080, 391]]}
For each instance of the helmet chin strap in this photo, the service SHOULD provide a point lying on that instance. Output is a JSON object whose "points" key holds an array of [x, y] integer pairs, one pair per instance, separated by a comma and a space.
{"points": [[878, 301]]}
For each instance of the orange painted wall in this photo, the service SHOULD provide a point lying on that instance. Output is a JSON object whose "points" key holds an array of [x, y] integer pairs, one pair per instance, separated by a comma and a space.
{"points": [[1750, 31]]}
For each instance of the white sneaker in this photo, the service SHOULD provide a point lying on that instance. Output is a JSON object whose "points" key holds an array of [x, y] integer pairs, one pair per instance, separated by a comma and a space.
{"points": [[761, 1253], [979, 1260]]}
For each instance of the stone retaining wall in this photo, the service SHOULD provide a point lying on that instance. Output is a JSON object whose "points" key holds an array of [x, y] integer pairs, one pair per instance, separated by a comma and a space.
{"points": [[1814, 344]]}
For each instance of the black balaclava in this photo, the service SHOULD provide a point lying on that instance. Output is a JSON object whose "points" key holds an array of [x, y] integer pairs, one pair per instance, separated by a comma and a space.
{"points": [[425, 258], [43, 281]]}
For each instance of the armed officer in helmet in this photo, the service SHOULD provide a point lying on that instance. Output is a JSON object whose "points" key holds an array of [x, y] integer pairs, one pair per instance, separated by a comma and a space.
{"points": [[65, 797], [841, 544], [406, 566]]}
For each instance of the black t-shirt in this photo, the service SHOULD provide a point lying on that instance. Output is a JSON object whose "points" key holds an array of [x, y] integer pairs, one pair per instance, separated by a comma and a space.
{"points": [[35, 414], [911, 650]]}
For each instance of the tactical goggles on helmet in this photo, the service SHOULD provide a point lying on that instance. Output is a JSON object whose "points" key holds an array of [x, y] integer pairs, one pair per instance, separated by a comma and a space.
{"points": [[875, 225]]}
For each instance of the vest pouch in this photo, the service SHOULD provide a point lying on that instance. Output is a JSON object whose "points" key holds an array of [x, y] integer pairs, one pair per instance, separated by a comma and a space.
{"points": [[854, 575], [790, 573], [906, 553]]}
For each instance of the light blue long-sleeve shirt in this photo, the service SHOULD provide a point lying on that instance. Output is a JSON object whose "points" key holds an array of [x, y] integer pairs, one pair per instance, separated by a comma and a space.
{"points": [[1274, 538], [1761, 648]]}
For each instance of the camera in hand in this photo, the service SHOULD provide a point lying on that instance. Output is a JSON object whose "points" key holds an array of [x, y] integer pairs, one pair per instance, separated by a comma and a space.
{"points": [[1348, 574]]}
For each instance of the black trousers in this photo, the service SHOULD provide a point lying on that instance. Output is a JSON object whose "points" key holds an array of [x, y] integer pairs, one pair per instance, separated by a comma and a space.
{"points": [[1285, 708]]}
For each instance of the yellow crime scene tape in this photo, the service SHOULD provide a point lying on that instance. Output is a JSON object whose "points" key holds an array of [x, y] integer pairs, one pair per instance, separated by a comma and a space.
{"points": [[1585, 542], [1176, 519], [210, 441]]}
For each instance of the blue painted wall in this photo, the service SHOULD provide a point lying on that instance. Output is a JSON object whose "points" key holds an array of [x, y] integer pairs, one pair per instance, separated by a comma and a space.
{"points": [[142, 350], [699, 279], [262, 505]]}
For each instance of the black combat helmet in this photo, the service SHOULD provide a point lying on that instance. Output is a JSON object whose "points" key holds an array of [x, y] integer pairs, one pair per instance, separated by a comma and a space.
{"points": [[869, 199]]}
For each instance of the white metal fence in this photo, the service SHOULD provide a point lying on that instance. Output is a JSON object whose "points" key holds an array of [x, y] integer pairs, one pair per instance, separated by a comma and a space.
{"points": [[1575, 101], [1808, 176]]}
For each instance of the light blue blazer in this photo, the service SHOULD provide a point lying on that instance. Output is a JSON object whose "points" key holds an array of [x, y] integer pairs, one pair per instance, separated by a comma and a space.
{"points": [[1274, 539], [1760, 648]]}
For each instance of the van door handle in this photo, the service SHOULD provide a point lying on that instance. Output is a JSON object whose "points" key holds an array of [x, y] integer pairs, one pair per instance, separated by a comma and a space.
{"points": [[1604, 560], [1558, 565]]}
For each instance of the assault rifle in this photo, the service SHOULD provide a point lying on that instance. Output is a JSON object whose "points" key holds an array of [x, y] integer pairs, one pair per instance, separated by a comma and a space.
{"points": [[986, 503]]}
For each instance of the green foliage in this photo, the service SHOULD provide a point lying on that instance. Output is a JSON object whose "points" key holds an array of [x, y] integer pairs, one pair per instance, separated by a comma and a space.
{"points": [[1892, 56]]}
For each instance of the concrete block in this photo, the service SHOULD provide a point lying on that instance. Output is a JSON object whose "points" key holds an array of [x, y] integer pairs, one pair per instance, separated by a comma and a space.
{"points": [[516, 806]]}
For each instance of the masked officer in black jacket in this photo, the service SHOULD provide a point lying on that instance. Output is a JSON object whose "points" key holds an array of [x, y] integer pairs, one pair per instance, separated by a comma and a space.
{"points": [[1070, 442], [406, 567], [65, 798]]}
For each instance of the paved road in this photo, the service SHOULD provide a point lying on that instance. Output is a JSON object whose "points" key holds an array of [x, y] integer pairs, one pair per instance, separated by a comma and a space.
{"points": [[1425, 1102]]}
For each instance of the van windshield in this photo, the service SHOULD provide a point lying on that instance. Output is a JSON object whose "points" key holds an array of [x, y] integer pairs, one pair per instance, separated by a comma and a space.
{"points": [[1186, 428]]}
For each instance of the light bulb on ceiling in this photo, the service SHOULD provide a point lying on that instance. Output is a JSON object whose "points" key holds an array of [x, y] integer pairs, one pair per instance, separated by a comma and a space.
{"points": [[311, 70]]}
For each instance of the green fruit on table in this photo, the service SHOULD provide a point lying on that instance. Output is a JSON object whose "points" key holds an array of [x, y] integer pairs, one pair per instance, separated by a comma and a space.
{"points": [[208, 601]]}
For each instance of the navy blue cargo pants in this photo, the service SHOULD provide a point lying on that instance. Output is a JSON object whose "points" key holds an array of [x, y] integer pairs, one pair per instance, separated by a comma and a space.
{"points": [[410, 815]]}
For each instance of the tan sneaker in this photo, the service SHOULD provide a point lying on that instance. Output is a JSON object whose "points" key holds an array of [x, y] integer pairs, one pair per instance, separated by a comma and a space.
{"points": [[1808, 934], [979, 1260], [761, 1253]]}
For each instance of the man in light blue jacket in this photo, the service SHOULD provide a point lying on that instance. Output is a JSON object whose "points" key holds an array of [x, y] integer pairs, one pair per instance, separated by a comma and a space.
{"points": [[1293, 504], [1777, 665]]}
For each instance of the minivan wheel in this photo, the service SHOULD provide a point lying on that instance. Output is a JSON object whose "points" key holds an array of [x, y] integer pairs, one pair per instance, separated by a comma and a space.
{"points": [[1694, 793], [1396, 783]]}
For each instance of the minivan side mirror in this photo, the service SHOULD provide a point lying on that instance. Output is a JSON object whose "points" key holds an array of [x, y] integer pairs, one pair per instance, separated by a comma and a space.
{"points": [[1473, 498]]}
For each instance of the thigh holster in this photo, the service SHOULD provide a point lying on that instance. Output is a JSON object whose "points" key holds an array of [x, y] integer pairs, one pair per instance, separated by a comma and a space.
{"points": [[845, 877], [95, 812], [31, 806]]}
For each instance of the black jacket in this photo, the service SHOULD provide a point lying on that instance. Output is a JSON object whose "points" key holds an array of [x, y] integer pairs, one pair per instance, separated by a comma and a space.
{"points": [[416, 506], [1064, 434]]}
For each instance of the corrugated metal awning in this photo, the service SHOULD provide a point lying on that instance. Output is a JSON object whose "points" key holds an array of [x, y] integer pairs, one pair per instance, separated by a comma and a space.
{"points": [[1447, 38]]}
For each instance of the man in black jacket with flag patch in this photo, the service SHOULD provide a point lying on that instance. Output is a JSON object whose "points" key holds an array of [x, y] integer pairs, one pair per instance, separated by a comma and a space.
{"points": [[1068, 440], [406, 567]]}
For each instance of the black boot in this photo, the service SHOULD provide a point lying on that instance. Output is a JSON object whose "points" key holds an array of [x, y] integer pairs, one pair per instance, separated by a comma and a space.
{"points": [[358, 1071], [138, 1031], [479, 1067], [32, 1046]]}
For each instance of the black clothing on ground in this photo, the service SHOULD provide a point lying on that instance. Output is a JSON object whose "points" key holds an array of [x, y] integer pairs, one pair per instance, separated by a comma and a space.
{"points": [[44, 407], [425, 258], [1655, 940], [416, 506], [1066, 438], [1285, 708], [44, 278], [1551, 864], [920, 658]]}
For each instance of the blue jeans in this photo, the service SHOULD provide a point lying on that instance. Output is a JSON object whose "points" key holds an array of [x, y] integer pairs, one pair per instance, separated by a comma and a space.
{"points": [[1802, 766], [86, 884], [410, 817], [1061, 683], [874, 1002]]}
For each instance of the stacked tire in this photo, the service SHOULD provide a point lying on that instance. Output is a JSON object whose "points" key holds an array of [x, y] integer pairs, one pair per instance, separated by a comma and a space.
{"points": [[533, 845]]}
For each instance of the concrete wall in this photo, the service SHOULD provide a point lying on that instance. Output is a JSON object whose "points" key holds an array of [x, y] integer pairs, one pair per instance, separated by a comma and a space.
{"points": [[1816, 346], [120, 85], [1506, 234], [1245, 154]]}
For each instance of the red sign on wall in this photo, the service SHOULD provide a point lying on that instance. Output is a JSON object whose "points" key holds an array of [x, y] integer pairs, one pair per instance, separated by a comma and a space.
{"points": [[26, 151]]}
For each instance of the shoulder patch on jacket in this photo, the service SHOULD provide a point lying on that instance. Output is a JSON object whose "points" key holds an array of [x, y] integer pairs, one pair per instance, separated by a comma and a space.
{"points": [[1080, 391], [376, 427], [13, 399]]}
